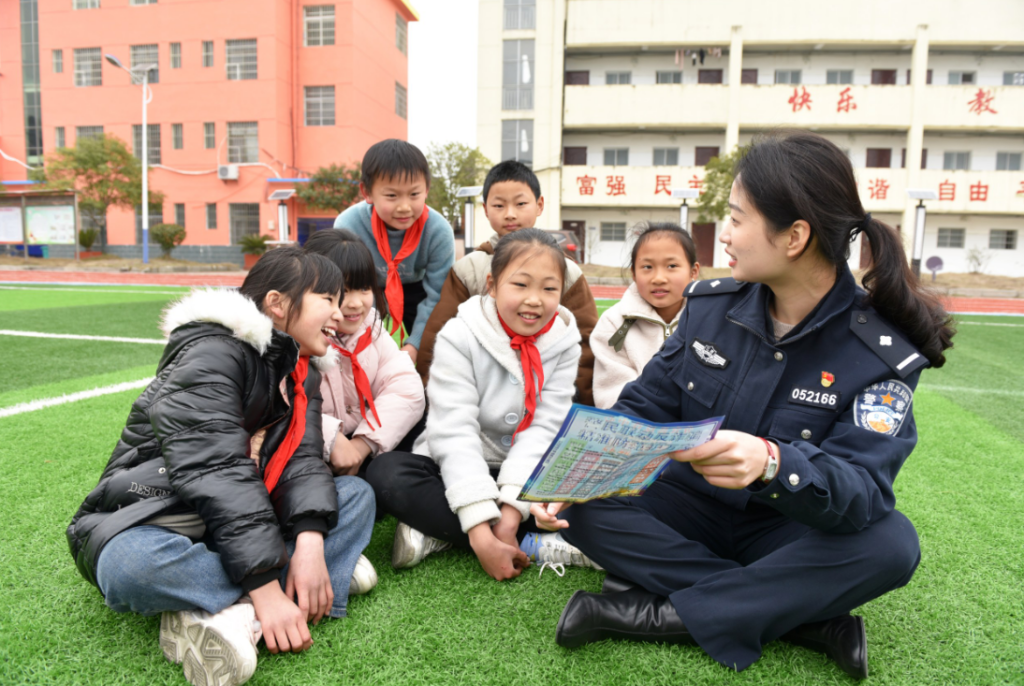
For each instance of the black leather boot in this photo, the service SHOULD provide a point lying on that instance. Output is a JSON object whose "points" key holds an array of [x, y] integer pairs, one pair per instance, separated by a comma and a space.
{"points": [[616, 584], [842, 639], [633, 615]]}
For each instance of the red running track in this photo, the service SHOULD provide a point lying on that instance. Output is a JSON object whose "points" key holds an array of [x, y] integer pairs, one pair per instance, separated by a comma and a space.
{"points": [[972, 305]]}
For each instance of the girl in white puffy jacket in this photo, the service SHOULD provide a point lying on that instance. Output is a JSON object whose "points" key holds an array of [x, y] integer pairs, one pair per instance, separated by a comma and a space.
{"points": [[501, 384]]}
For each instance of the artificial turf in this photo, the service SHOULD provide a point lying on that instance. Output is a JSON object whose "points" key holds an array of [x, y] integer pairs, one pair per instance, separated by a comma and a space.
{"points": [[959, 621]]}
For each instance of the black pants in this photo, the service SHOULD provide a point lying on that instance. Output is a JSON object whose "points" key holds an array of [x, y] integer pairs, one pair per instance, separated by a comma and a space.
{"points": [[409, 486], [740, 579], [414, 295]]}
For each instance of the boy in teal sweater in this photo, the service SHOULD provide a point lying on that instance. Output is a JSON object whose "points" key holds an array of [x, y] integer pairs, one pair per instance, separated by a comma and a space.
{"points": [[413, 246]]}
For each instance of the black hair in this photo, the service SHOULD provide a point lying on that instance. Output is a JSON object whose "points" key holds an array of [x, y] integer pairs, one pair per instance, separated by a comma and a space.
{"points": [[511, 170], [395, 159], [353, 258], [645, 231], [793, 175], [514, 244], [293, 272]]}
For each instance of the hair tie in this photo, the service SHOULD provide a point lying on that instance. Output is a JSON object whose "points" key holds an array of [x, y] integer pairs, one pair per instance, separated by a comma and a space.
{"points": [[860, 227]]}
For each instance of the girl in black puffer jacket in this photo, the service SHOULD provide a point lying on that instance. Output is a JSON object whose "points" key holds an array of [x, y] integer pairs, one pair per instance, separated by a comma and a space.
{"points": [[216, 507]]}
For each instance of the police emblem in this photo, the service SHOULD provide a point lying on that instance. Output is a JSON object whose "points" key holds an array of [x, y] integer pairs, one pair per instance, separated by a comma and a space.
{"points": [[709, 355], [883, 407], [827, 379]]}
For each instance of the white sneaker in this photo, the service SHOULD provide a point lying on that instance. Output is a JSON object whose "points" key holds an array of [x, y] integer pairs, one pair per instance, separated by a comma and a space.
{"points": [[215, 650], [551, 549], [364, 578], [411, 546]]}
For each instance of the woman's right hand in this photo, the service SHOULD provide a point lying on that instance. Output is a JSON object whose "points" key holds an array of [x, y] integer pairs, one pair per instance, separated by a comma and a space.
{"points": [[500, 560], [283, 623], [546, 515]]}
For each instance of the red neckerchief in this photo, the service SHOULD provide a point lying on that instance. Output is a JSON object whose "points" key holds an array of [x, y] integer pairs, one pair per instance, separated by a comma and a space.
{"points": [[296, 427], [362, 382], [393, 286], [529, 357]]}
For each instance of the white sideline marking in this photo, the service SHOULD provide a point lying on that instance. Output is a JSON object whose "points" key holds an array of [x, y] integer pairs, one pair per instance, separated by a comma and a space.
{"points": [[77, 337], [1016, 326], [34, 405], [967, 389], [89, 290]]}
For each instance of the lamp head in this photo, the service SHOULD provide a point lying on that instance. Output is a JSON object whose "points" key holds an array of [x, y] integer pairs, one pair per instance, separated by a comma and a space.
{"points": [[114, 61]]}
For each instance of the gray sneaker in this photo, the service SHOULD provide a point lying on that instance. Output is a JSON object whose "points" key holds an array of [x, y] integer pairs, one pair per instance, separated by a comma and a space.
{"points": [[214, 650], [364, 578], [411, 546]]}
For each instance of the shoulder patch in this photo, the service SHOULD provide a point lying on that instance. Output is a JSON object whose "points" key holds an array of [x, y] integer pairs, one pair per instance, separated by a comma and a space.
{"points": [[886, 342], [714, 286], [882, 407]]}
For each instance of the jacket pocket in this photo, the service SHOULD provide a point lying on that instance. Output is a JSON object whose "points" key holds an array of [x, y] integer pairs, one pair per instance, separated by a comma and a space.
{"points": [[796, 425], [697, 384]]}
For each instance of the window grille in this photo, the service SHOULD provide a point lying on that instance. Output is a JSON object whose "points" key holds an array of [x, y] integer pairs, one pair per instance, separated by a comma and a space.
{"points": [[86, 5], [243, 142], [211, 215], [613, 231], [179, 214], [951, 238], [517, 140], [178, 136], [666, 157], [669, 77], [1008, 161], [87, 131], [616, 157], [207, 53], [318, 25], [58, 61], [401, 101], [153, 139], [1002, 239], [245, 220], [517, 75], [156, 216], [319, 105], [146, 54], [839, 76], [520, 15], [241, 59], [956, 160], [59, 137], [401, 34], [88, 67], [618, 78], [175, 55], [209, 136], [791, 76]]}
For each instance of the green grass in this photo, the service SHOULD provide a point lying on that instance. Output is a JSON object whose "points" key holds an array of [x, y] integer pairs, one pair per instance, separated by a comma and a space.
{"points": [[959, 621]]}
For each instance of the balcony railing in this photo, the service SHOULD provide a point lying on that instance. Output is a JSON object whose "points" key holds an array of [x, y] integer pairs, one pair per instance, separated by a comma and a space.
{"points": [[517, 98]]}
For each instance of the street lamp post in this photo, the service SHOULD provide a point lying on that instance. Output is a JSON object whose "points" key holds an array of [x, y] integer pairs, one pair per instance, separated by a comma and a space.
{"points": [[684, 209], [921, 212], [468, 211], [147, 96]]}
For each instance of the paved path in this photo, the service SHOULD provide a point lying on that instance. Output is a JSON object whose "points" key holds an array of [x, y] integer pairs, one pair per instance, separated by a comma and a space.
{"points": [[961, 305]]}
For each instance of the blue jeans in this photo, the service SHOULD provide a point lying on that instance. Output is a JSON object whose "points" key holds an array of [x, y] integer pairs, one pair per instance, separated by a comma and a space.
{"points": [[150, 569]]}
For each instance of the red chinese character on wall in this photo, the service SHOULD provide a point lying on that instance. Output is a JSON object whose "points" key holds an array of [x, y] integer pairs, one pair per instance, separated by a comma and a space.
{"points": [[947, 190], [1021, 191], [586, 184], [800, 99], [979, 192], [878, 189], [662, 184], [982, 102], [697, 183], [616, 185], [846, 102]]}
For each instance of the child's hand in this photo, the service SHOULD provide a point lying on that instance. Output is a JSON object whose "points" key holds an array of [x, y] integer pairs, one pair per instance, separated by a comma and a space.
{"points": [[507, 528], [283, 623], [546, 515], [500, 560], [347, 456], [308, 580], [407, 348]]}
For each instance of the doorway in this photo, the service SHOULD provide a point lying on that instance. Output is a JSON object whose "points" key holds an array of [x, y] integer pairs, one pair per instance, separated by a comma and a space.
{"points": [[704, 237]]}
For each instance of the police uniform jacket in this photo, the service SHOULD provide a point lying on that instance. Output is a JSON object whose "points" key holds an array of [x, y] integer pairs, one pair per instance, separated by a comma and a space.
{"points": [[835, 394]]}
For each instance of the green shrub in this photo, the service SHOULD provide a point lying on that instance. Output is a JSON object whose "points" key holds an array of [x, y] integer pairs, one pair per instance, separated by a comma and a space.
{"points": [[167, 236], [86, 237], [253, 244]]}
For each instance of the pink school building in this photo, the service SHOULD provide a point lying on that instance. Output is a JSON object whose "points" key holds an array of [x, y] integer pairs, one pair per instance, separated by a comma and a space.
{"points": [[249, 96]]}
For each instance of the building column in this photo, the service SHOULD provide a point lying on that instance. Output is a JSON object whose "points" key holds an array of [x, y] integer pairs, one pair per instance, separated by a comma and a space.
{"points": [[732, 127], [915, 135]]}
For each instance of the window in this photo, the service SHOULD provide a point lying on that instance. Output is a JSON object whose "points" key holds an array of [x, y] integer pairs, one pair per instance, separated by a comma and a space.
{"points": [[401, 34], [883, 77], [961, 78], [839, 76], [142, 2], [319, 105], [87, 131], [520, 15], [179, 214], [58, 61], [207, 53], [245, 220], [156, 216], [152, 139], [618, 78], [177, 136], [1008, 161], [703, 154], [243, 142], [175, 55], [1013, 78], [791, 76], [517, 140], [666, 157], [709, 76], [1002, 239], [574, 155], [241, 59], [86, 5], [668, 77], [88, 70], [951, 238], [880, 158], [956, 160], [577, 78], [613, 231], [146, 54], [401, 101], [318, 25], [58, 137], [209, 136], [517, 75], [211, 215], [748, 76], [616, 157]]}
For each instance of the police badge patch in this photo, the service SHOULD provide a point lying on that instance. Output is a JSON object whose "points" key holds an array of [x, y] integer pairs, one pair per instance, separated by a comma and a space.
{"points": [[709, 355], [882, 407]]}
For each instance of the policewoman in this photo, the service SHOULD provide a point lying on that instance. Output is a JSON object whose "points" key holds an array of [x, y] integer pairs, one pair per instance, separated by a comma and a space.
{"points": [[786, 521]]}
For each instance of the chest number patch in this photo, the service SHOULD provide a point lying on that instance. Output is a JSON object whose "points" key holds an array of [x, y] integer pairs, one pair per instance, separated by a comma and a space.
{"points": [[709, 355], [883, 407], [816, 397]]}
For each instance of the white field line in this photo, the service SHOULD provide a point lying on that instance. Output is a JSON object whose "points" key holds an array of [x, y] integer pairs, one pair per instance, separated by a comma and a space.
{"points": [[968, 389], [77, 337], [90, 290], [34, 405], [1016, 326]]}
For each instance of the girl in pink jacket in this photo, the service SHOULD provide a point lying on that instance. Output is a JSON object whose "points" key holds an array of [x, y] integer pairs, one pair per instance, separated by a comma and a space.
{"points": [[374, 396]]}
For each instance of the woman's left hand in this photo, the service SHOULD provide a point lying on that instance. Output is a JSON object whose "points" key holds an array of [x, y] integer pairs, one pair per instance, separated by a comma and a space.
{"points": [[308, 580], [732, 459]]}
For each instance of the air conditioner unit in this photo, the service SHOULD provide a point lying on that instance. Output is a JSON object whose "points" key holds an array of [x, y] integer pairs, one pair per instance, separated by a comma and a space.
{"points": [[227, 172]]}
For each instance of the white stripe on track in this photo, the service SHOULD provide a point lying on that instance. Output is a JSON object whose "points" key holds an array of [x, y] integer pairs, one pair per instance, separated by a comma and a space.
{"points": [[968, 389], [1016, 326], [34, 405], [91, 290], [78, 337]]}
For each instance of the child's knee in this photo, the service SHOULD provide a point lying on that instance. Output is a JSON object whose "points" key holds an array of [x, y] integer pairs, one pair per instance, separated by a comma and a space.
{"points": [[354, 494]]}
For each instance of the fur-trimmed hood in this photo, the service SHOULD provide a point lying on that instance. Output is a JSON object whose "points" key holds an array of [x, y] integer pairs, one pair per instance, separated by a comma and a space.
{"points": [[232, 310]]}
